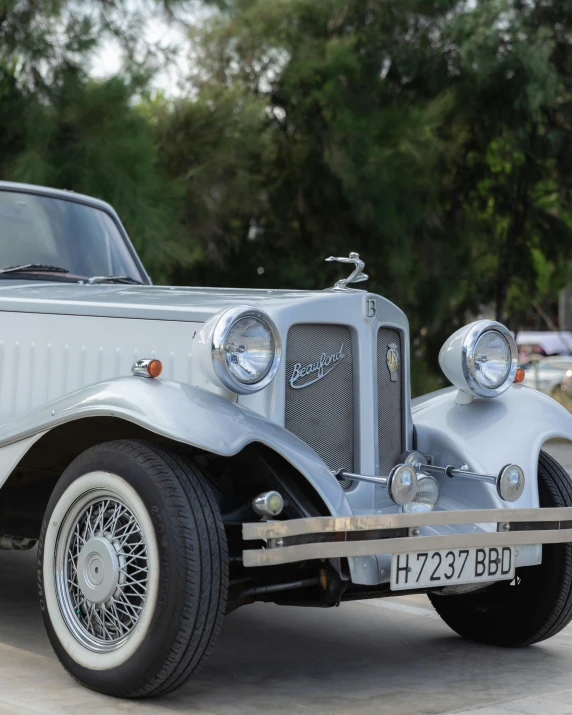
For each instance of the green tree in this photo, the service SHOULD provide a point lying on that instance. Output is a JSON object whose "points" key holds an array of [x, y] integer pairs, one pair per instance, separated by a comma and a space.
{"points": [[63, 129], [430, 135], [511, 171]]}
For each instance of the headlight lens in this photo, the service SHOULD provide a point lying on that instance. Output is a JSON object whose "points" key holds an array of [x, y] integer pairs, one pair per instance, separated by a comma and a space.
{"points": [[492, 359], [245, 349], [426, 498], [249, 350]]}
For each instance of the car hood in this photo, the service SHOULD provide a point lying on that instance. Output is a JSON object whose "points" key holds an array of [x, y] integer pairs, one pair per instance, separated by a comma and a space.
{"points": [[134, 301]]}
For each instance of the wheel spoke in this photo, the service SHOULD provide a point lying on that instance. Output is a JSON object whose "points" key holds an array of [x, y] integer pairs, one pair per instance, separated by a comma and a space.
{"points": [[103, 622]]}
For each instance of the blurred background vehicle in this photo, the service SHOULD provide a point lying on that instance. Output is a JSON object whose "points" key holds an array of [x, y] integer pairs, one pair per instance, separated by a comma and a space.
{"points": [[546, 357], [550, 375], [543, 343]]}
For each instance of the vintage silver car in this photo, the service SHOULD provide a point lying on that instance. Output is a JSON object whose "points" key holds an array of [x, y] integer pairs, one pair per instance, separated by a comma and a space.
{"points": [[180, 452]]}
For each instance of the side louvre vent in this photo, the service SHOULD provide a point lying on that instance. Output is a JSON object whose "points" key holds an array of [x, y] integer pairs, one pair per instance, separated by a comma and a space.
{"points": [[389, 400], [320, 404]]}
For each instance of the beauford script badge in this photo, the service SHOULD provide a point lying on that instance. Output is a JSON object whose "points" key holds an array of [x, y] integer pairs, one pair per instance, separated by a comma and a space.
{"points": [[393, 361], [356, 277], [317, 370]]}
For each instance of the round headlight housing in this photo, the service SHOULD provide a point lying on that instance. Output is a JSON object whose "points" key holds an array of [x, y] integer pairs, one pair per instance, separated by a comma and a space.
{"points": [[246, 350], [481, 358], [402, 484], [426, 497]]}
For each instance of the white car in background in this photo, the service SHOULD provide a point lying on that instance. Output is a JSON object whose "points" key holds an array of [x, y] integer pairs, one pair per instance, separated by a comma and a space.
{"points": [[548, 374], [544, 342]]}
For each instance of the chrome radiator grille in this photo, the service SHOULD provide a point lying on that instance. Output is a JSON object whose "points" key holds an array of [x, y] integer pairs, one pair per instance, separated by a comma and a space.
{"points": [[320, 404], [389, 401]]}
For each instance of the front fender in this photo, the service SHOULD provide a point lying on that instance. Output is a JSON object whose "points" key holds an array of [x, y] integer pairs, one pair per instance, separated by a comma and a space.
{"points": [[486, 435], [186, 414]]}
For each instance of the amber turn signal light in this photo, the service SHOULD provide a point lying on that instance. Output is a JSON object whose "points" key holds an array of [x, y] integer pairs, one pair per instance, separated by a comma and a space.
{"points": [[519, 377], [147, 368]]}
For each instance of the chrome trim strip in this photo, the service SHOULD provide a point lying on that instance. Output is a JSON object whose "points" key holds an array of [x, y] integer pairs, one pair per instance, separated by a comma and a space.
{"points": [[338, 549], [326, 524], [450, 472]]}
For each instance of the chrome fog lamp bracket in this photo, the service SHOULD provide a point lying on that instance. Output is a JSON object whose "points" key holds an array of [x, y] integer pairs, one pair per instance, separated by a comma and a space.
{"points": [[509, 482], [401, 483]]}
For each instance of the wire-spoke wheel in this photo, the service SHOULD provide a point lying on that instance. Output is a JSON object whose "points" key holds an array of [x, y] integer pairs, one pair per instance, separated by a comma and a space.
{"points": [[102, 569], [133, 568]]}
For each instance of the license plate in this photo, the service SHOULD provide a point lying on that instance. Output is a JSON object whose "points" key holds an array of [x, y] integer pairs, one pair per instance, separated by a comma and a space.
{"points": [[445, 567]]}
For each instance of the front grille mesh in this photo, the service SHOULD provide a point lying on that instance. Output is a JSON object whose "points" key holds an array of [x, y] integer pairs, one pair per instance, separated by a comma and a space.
{"points": [[322, 412], [389, 401]]}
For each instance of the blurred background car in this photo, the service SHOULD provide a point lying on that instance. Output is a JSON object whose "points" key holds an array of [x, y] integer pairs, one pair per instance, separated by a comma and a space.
{"points": [[544, 343], [550, 375], [546, 357]]}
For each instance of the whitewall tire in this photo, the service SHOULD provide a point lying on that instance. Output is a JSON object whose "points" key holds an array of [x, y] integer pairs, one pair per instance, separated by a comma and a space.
{"points": [[132, 569]]}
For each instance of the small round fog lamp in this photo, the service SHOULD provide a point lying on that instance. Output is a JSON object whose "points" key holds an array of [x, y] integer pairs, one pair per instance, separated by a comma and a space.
{"points": [[510, 482], [426, 498], [268, 504], [402, 484]]}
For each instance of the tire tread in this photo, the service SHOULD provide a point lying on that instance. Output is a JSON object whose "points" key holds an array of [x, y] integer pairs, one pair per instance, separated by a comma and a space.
{"points": [[540, 610]]}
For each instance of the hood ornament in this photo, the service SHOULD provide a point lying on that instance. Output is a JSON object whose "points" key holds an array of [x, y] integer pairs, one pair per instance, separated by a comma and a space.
{"points": [[356, 277]]}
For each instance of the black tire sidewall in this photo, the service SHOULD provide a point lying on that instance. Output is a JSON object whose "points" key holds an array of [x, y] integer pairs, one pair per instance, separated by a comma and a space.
{"points": [[516, 617]]}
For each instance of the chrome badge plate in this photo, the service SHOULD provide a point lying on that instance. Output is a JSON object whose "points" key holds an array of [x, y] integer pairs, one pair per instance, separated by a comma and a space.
{"points": [[392, 360]]}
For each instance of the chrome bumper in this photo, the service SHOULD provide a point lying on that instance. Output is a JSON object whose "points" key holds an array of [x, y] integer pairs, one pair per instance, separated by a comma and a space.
{"points": [[328, 537]]}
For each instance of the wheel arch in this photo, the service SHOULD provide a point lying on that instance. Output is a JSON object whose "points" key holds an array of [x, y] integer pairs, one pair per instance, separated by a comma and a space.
{"points": [[488, 434], [28, 487]]}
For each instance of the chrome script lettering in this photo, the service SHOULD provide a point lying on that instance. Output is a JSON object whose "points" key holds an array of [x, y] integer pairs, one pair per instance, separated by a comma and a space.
{"points": [[322, 367]]}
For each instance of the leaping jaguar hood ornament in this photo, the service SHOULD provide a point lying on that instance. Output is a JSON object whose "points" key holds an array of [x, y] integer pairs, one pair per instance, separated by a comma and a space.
{"points": [[357, 276]]}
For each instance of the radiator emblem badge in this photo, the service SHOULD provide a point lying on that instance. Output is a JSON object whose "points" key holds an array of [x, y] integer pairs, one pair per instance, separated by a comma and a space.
{"points": [[317, 370], [393, 361]]}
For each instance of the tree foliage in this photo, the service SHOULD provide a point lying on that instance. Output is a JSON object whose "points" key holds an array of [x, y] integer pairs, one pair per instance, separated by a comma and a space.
{"points": [[432, 136], [63, 129]]}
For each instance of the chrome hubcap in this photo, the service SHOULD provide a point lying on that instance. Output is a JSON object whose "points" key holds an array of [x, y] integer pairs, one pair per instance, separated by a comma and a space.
{"points": [[101, 570], [98, 570]]}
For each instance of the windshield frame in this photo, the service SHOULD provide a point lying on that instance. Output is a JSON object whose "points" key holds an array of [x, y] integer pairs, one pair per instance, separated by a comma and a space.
{"points": [[63, 195]]}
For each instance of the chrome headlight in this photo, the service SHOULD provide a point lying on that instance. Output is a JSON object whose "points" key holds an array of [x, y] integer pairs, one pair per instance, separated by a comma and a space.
{"points": [[245, 350], [402, 484], [480, 358]]}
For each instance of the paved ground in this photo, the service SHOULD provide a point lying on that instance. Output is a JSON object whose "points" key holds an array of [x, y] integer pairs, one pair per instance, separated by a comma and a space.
{"points": [[393, 656]]}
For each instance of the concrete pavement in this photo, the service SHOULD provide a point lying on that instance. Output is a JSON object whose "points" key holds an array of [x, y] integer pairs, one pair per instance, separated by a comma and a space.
{"points": [[390, 656]]}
